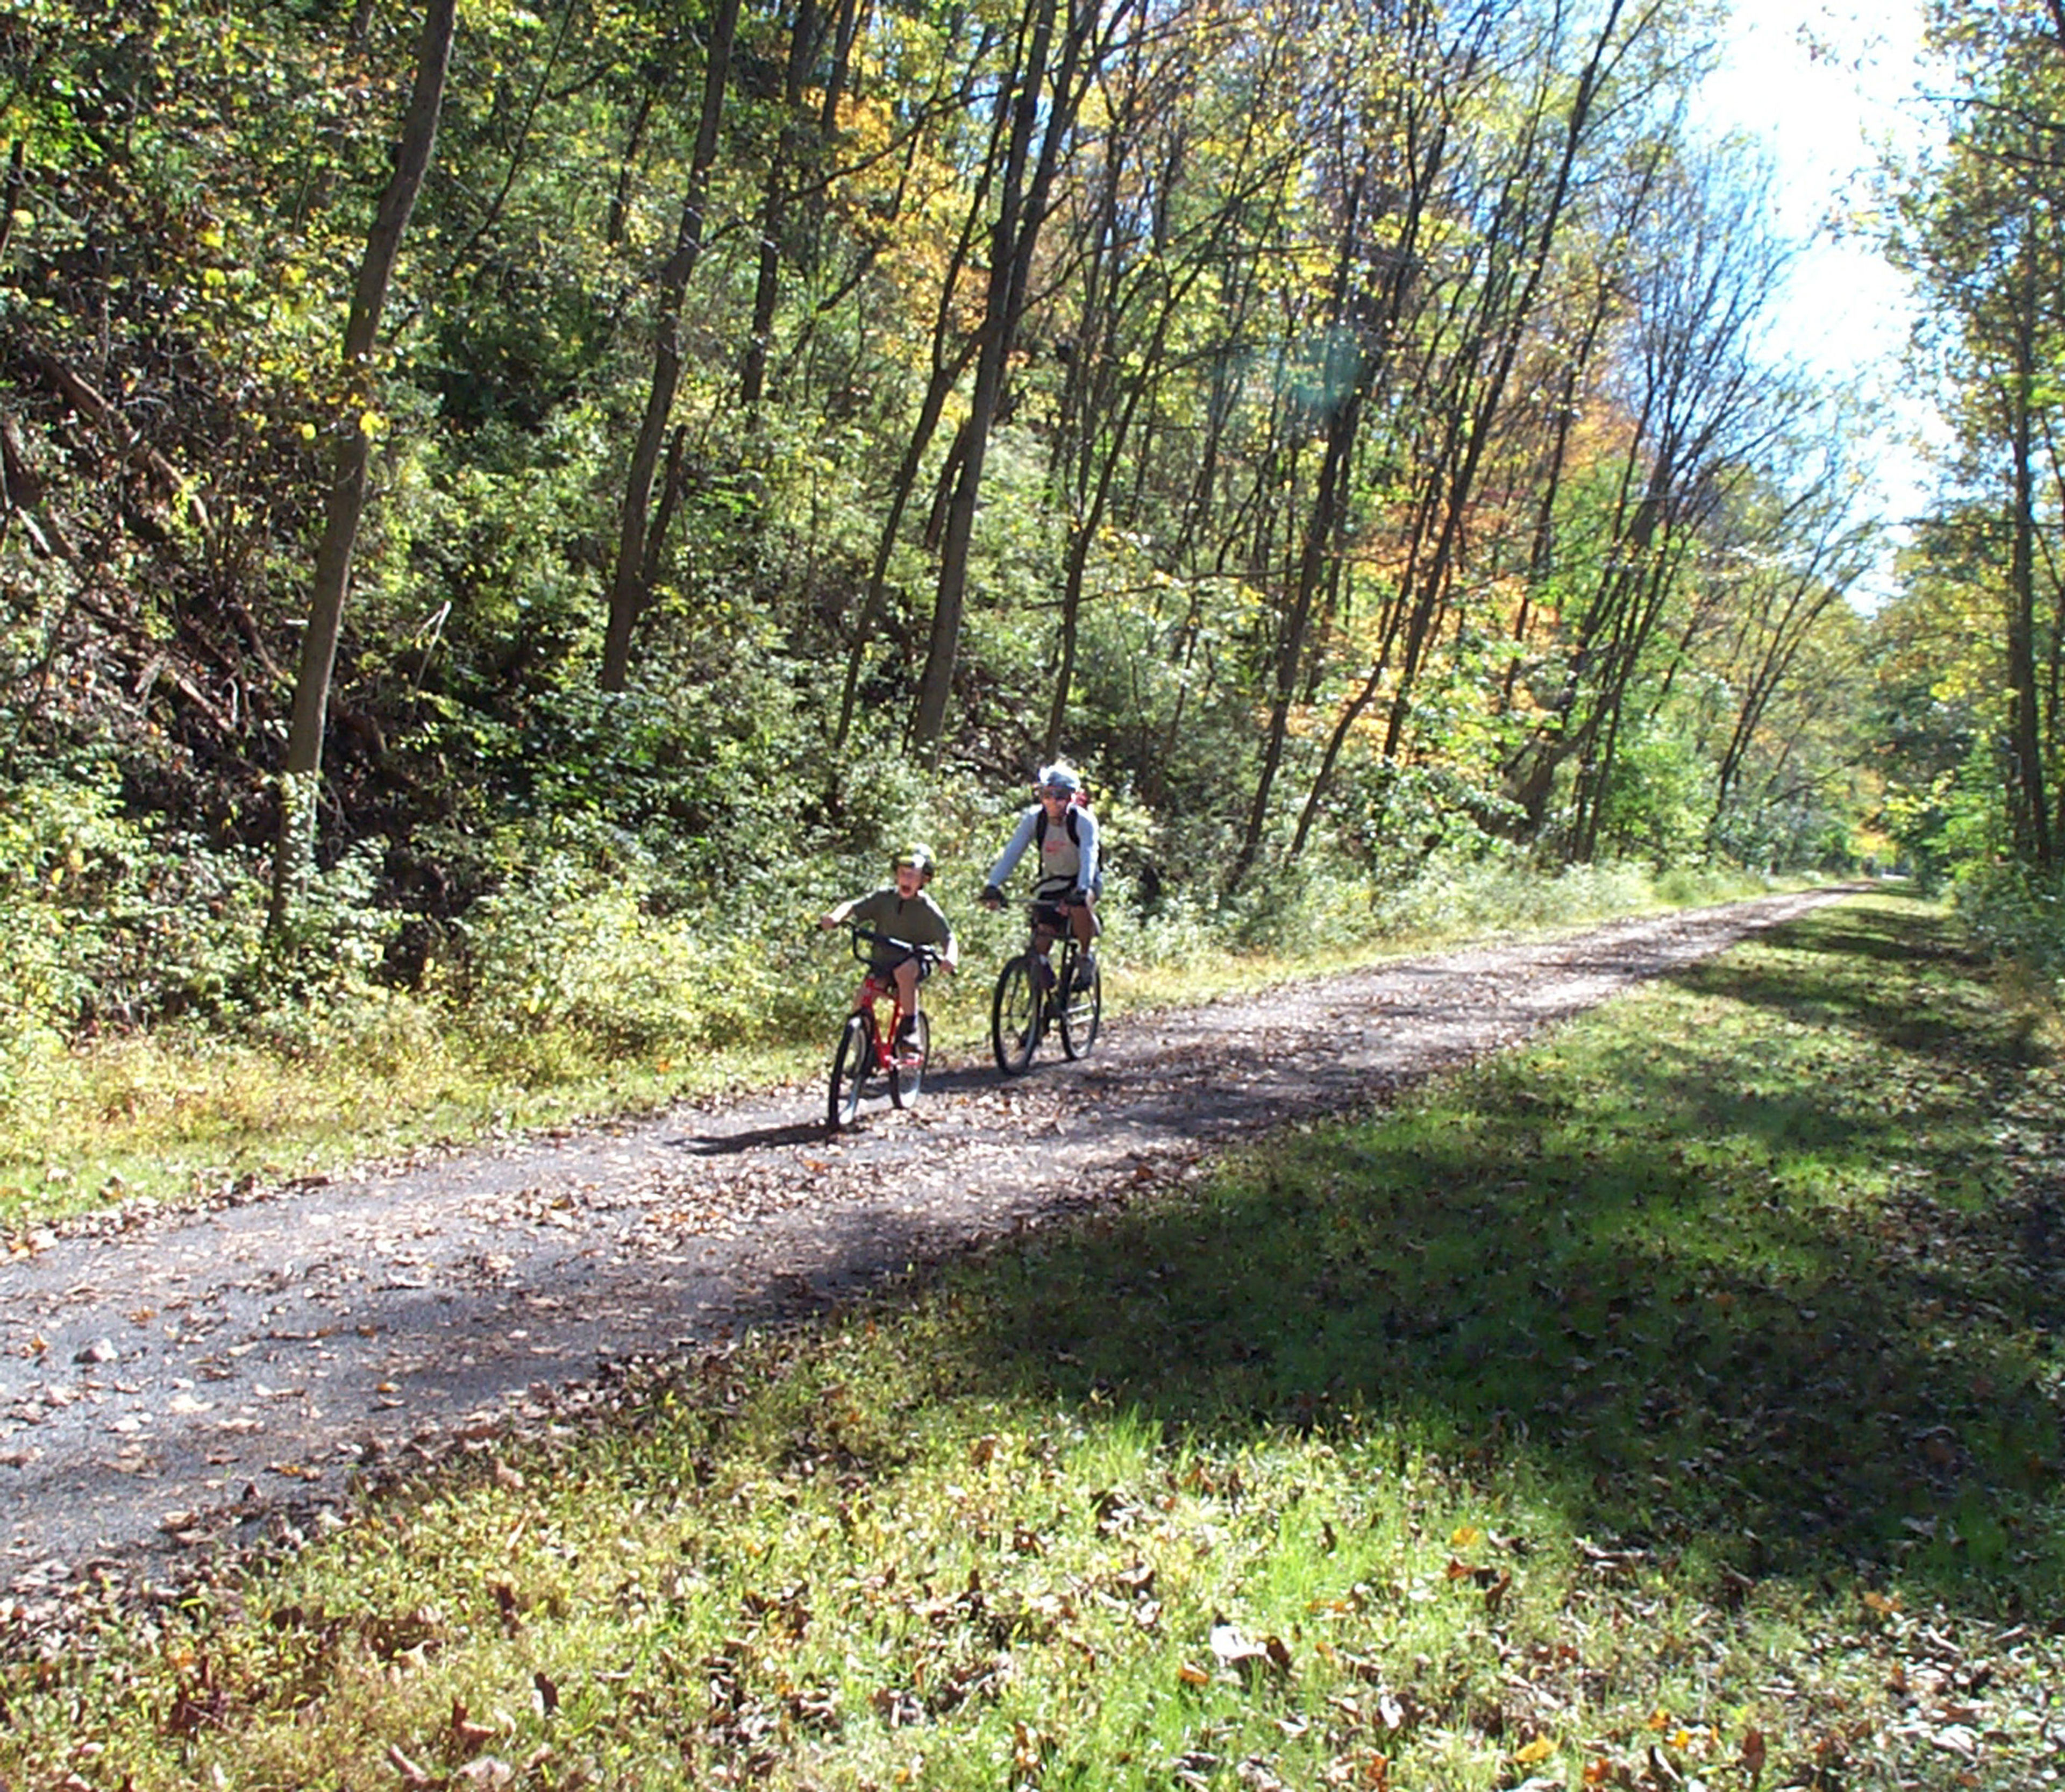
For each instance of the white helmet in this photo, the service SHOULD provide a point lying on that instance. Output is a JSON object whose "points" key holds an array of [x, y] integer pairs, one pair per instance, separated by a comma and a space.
{"points": [[1060, 778]]}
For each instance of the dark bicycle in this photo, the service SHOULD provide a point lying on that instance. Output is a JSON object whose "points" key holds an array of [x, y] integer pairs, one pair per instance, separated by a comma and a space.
{"points": [[868, 1059], [1034, 992]]}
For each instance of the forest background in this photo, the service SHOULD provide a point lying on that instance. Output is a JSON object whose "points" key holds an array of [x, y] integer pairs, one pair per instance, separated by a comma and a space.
{"points": [[508, 512]]}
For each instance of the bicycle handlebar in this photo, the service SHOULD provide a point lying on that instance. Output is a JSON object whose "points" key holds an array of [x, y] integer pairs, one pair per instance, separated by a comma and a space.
{"points": [[864, 936]]}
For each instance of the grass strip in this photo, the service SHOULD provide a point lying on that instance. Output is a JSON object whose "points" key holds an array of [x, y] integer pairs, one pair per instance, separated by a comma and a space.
{"points": [[1677, 1401]]}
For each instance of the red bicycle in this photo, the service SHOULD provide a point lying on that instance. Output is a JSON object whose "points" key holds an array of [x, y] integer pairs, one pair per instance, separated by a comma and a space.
{"points": [[866, 1058]]}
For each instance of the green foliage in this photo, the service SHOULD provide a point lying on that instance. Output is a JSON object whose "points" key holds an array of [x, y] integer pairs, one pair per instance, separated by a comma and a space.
{"points": [[2014, 913], [103, 924], [193, 192], [1657, 799], [1460, 895]]}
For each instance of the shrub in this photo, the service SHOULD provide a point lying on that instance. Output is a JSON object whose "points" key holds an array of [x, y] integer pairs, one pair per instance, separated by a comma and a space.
{"points": [[2014, 913]]}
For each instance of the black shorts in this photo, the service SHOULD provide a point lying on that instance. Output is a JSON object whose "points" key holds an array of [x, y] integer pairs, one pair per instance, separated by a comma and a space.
{"points": [[883, 967], [1052, 915]]}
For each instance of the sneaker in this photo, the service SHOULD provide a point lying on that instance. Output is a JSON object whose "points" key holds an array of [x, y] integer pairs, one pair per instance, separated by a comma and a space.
{"points": [[1086, 970], [906, 1038]]}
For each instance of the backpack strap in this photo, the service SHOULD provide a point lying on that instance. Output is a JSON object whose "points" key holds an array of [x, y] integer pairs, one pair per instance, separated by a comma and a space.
{"points": [[1039, 828]]}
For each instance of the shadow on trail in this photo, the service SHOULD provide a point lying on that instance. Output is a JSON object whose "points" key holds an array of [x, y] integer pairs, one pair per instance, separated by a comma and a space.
{"points": [[1783, 1307], [730, 1144], [810, 1128]]}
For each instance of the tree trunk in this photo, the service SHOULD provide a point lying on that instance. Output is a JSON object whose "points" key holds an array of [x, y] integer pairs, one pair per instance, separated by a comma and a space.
{"points": [[2028, 812], [1020, 210], [805, 34], [345, 503], [998, 318], [630, 587]]}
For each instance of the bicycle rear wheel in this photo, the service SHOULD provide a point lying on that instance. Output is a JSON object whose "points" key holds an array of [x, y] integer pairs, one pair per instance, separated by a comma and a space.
{"points": [[1082, 1008], [1014, 1016], [850, 1065], [911, 1051]]}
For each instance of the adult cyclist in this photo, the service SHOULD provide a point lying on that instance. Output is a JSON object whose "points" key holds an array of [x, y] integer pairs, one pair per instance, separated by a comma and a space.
{"points": [[1062, 828]]}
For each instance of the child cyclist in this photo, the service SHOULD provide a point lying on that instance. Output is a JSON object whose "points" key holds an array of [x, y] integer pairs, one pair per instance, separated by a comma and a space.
{"points": [[900, 911], [1064, 892]]}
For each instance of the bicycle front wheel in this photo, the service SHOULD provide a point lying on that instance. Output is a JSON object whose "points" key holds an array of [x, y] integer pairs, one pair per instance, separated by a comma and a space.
{"points": [[1014, 1017], [913, 1048], [1082, 1007], [851, 1065]]}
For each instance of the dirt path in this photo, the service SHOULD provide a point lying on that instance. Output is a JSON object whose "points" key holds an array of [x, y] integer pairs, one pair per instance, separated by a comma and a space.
{"points": [[209, 1376]]}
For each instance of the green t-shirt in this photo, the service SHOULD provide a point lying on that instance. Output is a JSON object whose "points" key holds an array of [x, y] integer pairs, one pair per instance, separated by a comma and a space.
{"points": [[918, 921]]}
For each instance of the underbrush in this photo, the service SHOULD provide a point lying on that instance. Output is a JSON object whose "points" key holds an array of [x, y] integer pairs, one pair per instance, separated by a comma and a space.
{"points": [[1675, 1403], [2016, 915]]}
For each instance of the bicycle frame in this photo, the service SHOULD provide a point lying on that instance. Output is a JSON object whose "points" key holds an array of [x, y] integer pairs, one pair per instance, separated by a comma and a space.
{"points": [[874, 992], [1034, 993], [896, 1055]]}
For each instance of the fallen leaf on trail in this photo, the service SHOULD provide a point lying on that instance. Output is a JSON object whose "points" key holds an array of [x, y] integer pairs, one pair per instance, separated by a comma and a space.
{"points": [[1539, 1750], [1752, 1755], [412, 1776], [1192, 1676], [465, 1731], [1231, 1647]]}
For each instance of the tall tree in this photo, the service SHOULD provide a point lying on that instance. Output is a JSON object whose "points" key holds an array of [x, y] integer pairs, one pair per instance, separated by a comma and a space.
{"points": [[345, 504], [1042, 89], [1985, 231], [1698, 407], [638, 545]]}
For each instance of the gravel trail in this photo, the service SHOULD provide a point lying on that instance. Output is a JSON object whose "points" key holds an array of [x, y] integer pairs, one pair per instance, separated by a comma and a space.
{"points": [[178, 1378]]}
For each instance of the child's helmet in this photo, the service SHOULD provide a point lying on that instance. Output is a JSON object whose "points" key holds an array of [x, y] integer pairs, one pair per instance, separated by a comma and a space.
{"points": [[917, 857], [1060, 779]]}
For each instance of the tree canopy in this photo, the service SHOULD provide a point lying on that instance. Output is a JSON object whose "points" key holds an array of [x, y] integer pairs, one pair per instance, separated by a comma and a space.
{"points": [[1339, 424]]}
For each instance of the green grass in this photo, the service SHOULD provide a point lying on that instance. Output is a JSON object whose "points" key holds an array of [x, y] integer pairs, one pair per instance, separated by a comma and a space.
{"points": [[1677, 1401]]}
